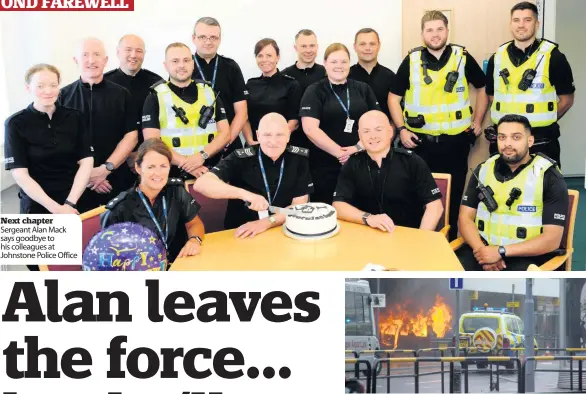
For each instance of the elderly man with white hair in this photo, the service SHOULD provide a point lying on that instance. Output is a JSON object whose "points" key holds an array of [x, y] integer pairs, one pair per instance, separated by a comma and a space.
{"points": [[108, 116]]}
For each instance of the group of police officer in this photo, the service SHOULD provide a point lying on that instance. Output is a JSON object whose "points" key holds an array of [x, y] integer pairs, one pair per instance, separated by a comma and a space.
{"points": [[200, 111]]}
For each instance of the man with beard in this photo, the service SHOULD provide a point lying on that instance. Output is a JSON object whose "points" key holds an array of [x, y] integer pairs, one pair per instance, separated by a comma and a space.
{"points": [[437, 121], [525, 221], [173, 112], [527, 76], [382, 186]]}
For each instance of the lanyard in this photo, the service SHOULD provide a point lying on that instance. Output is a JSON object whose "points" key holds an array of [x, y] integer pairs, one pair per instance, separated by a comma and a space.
{"points": [[264, 177], [346, 108], [201, 70], [165, 236]]}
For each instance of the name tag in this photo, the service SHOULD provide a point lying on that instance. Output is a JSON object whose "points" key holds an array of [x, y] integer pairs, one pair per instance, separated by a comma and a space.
{"points": [[349, 125]]}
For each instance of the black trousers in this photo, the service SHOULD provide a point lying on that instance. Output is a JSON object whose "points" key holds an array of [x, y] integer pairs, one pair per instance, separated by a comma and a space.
{"points": [[449, 156], [466, 257], [324, 183], [551, 149]]}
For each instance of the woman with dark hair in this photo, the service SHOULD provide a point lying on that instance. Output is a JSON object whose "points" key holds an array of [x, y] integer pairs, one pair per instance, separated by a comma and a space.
{"points": [[159, 203], [271, 92]]}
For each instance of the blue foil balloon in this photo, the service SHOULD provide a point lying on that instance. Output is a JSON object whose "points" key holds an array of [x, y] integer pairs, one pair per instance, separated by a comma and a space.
{"points": [[125, 247]]}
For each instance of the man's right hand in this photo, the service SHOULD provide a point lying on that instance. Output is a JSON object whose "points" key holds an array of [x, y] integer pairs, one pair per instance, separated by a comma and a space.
{"points": [[498, 266], [382, 222], [65, 209], [257, 202], [406, 137], [191, 163]]}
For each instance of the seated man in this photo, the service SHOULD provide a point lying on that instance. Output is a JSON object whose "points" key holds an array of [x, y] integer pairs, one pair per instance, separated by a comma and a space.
{"points": [[524, 219], [270, 173], [386, 186]]}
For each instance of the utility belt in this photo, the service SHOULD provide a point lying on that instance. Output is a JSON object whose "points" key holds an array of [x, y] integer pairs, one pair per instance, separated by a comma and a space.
{"points": [[438, 139]]}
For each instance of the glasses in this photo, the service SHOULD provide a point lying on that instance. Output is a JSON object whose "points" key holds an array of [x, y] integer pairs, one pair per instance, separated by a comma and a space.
{"points": [[212, 39]]}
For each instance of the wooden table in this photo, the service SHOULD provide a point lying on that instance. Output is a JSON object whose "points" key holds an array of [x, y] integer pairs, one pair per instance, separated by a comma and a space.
{"points": [[350, 250]]}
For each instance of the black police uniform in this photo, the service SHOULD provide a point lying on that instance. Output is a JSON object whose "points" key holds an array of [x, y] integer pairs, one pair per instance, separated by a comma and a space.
{"points": [[228, 83], [320, 102], [108, 116], [242, 169], [181, 209], [305, 77], [560, 74], [139, 87], [555, 208], [48, 148], [279, 93], [447, 154], [380, 81], [189, 94], [401, 187]]}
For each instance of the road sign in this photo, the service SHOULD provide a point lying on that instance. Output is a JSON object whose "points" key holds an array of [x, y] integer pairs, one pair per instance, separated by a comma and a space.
{"points": [[379, 300], [513, 304], [456, 283]]}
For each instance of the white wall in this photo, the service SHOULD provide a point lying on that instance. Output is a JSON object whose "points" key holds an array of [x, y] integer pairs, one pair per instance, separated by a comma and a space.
{"points": [[541, 287], [51, 37]]}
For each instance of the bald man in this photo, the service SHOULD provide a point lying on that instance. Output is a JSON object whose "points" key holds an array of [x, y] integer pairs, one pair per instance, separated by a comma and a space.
{"points": [[110, 120], [383, 187], [271, 173]]}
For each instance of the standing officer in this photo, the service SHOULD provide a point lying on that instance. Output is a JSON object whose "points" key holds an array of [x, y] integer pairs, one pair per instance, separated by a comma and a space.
{"points": [[521, 218], [186, 115], [526, 76], [384, 186], [437, 121], [130, 74], [270, 173], [369, 70], [111, 122], [223, 73]]}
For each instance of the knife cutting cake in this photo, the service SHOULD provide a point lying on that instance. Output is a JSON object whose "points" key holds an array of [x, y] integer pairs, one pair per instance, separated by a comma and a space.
{"points": [[314, 221]]}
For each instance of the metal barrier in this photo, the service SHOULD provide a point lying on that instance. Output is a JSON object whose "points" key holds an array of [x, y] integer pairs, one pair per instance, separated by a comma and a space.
{"points": [[369, 374], [442, 371], [559, 358], [388, 352]]}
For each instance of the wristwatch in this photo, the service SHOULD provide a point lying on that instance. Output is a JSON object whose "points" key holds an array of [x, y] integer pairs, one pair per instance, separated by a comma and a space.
{"points": [[109, 166], [72, 205], [273, 220], [197, 238], [401, 128], [358, 148], [204, 155], [365, 216], [502, 251]]}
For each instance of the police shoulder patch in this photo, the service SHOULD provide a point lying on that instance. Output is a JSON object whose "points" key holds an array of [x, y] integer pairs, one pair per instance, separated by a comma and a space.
{"points": [[116, 200], [417, 49], [175, 182], [404, 151], [245, 152], [288, 77], [297, 150]]}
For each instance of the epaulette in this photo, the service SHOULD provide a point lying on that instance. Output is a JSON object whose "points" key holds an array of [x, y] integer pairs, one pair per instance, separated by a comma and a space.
{"points": [[407, 152], [457, 45], [14, 115], [203, 82], [154, 86], [417, 49], [245, 152], [175, 182], [506, 43], [555, 163], [288, 77], [110, 72], [151, 73], [297, 150], [116, 200], [551, 42]]}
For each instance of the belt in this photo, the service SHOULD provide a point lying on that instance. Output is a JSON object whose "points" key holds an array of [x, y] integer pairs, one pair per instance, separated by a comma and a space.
{"points": [[436, 139]]}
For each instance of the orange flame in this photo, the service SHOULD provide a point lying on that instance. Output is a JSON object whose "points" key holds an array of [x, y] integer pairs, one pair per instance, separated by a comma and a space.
{"points": [[402, 322]]}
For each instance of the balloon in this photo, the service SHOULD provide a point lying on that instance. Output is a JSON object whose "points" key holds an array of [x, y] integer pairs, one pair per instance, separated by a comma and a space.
{"points": [[125, 247]]}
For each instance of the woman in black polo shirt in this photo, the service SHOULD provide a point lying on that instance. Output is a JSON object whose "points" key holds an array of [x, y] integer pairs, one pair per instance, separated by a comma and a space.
{"points": [[330, 110], [271, 92]]}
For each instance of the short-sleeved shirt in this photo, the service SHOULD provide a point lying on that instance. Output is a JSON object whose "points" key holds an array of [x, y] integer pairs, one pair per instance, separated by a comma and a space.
{"points": [[242, 169], [555, 191], [279, 93], [472, 70], [560, 75], [139, 87], [320, 102], [48, 148], [181, 209], [380, 81], [400, 188]]}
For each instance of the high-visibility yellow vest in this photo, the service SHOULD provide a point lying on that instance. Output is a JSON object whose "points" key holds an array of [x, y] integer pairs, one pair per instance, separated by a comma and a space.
{"points": [[444, 113], [523, 220], [539, 103], [185, 139]]}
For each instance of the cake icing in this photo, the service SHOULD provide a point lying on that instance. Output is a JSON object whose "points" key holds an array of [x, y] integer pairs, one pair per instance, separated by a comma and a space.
{"points": [[314, 220]]}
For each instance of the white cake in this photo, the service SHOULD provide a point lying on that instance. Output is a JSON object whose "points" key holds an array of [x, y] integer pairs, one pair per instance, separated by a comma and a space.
{"points": [[315, 220]]}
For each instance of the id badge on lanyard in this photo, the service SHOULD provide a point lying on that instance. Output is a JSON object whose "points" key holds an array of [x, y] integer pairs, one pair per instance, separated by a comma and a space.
{"points": [[349, 125], [265, 214], [349, 122]]}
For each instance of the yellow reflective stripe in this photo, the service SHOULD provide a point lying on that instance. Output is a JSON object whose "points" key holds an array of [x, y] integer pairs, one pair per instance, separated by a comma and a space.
{"points": [[401, 359], [351, 360], [451, 359]]}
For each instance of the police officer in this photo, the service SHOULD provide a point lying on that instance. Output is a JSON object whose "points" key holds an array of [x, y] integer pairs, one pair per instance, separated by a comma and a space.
{"points": [[383, 186], [270, 173], [159, 203], [110, 121], [305, 71], [330, 110], [271, 92], [223, 73], [130, 74], [437, 121], [176, 112], [527, 76], [520, 219], [369, 70]]}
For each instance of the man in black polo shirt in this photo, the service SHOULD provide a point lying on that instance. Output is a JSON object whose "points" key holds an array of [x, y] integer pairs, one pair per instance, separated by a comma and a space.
{"points": [[111, 122], [306, 71], [383, 186], [369, 70], [270, 173], [223, 73], [130, 74]]}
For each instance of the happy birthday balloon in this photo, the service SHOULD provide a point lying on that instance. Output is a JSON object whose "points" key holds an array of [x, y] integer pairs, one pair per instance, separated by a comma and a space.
{"points": [[125, 247]]}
